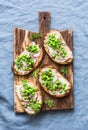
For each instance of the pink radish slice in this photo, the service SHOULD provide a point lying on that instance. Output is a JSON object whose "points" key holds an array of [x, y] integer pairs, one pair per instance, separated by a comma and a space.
{"points": [[35, 59], [36, 55], [35, 96]]}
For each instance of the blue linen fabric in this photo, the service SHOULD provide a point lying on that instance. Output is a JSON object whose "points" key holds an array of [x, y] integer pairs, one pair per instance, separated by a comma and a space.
{"points": [[65, 14]]}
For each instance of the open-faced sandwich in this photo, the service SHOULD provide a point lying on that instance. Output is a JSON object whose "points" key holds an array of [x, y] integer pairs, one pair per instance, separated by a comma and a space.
{"points": [[30, 96], [53, 82], [57, 48], [28, 60]]}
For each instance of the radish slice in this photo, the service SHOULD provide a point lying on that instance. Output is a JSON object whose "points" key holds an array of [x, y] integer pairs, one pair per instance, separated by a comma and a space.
{"points": [[35, 96], [26, 53], [35, 59], [24, 64], [55, 78], [36, 55], [29, 110], [19, 92]]}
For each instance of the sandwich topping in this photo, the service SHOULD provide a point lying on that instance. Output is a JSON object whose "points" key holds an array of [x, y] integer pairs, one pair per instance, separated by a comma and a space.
{"points": [[57, 48], [30, 97], [56, 44], [52, 81], [28, 58]]}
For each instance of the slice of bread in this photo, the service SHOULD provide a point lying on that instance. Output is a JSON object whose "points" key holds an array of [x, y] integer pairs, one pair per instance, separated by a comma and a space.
{"points": [[33, 103], [53, 82], [36, 57], [57, 48]]}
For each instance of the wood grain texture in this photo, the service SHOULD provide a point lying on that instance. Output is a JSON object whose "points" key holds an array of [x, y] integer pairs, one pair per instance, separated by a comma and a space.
{"points": [[21, 40]]}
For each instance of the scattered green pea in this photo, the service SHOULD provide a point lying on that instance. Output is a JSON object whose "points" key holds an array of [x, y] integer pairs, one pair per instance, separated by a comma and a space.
{"points": [[65, 89], [35, 36], [49, 103], [34, 73], [61, 90], [55, 55], [64, 70], [35, 106]]}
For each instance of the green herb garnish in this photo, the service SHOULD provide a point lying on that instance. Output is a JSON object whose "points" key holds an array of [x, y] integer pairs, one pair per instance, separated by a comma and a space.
{"points": [[34, 73], [64, 70], [49, 103], [32, 48], [35, 36]]}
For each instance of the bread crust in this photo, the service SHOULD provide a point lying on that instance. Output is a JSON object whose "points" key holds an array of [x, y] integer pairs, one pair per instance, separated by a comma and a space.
{"points": [[69, 60], [44, 87], [35, 65], [33, 82]]}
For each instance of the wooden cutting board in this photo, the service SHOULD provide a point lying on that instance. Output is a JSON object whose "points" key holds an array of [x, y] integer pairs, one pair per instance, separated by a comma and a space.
{"points": [[21, 40]]}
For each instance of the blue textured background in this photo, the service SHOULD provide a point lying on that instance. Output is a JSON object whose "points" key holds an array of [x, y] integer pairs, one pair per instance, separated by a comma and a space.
{"points": [[64, 14]]}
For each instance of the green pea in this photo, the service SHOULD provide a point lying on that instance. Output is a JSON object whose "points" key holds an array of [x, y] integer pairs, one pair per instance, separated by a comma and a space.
{"points": [[49, 103], [25, 98], [65, 89], [23, 91], [53, 92], [63, 86], [60, 91], [58, 82]]}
